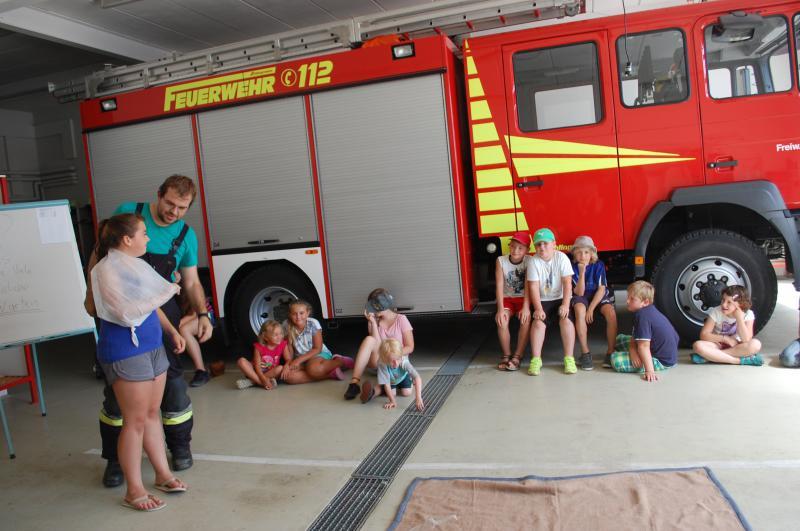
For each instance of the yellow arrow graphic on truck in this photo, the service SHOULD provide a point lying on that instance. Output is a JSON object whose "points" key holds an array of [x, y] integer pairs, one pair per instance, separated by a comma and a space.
{"points": [[590, 156]]}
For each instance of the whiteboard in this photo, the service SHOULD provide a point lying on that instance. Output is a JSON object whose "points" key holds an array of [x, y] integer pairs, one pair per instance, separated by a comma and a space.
{"points": [[42, 286]]}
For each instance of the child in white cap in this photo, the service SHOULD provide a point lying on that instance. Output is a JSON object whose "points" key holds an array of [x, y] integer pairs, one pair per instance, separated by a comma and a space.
{"points": [[590, 291]]}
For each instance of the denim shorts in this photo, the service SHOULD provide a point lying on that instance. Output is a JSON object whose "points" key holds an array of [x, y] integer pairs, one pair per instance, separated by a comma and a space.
{"points": [[140, 368], [406, 383]]}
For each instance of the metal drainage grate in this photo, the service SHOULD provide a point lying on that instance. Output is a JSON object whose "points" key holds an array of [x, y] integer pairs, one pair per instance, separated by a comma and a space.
{"points": [[351, 506]]}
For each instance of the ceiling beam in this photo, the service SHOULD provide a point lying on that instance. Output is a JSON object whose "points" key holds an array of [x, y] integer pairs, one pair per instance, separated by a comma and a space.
{"points": [[44, 25]]}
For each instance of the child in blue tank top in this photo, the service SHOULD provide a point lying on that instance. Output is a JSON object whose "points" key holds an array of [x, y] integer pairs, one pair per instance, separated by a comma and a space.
{"points": [[590, 291]]}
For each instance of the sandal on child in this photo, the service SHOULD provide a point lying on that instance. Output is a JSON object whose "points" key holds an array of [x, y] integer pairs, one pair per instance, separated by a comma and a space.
{"points": [[503, 365], [139, 503], [171, 485], [513, 364]]}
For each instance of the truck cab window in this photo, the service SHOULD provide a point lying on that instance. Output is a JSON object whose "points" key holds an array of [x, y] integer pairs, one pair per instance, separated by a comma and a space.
{"points": [[652, 68], [797, 41], [557, 87], [747, 55]]}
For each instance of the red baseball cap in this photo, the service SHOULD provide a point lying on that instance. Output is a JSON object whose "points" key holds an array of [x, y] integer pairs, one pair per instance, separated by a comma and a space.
{"points": [[522, 237]]}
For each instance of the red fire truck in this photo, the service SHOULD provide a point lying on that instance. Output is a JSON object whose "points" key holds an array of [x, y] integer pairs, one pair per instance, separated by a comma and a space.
{"points": [[671, 136]]}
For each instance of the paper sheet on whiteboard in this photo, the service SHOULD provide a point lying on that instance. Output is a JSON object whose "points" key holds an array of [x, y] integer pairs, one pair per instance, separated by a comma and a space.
{"points": [[54, 225]]}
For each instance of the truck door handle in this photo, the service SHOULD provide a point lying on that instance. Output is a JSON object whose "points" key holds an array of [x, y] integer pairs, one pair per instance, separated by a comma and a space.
{"points": [[723, 164], [526, 184], [262, 242]]}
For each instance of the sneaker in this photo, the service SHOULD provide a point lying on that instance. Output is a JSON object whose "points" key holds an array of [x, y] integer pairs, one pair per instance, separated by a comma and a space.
{"points": [[607, 361], [586, 362], [756, 360], [200, 378], [697, 359], [569, 365], [367, 393], [244, 383], [535, 367], [113, 477], [352, 391], [347, 361]]}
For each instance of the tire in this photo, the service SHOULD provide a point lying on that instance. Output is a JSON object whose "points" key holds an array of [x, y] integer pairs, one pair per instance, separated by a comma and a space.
{"points": [[265, 293], [691, 273]]}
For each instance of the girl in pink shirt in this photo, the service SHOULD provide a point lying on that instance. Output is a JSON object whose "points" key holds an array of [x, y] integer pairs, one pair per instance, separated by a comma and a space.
{"points": [[383, 322], [269, 352]]}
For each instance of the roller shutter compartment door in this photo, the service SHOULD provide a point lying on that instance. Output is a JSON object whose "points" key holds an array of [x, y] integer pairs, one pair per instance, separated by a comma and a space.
{"points": [[257, 174], [129, 163], [387, 194]]}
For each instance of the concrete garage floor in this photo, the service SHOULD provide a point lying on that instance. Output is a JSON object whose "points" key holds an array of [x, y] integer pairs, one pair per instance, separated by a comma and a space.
{"points": [[273, 460]]}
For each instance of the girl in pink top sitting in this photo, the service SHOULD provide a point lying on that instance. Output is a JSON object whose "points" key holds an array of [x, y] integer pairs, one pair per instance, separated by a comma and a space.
{"points": [[383, 322], [269, 352]]}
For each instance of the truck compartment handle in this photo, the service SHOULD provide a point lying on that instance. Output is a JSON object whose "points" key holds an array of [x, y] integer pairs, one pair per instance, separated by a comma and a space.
{"points": [[525, 184], [262, 242], [723, 164]]}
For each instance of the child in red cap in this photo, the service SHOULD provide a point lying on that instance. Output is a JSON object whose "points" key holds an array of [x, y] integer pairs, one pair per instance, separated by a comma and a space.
{"points": [[512, 299]]}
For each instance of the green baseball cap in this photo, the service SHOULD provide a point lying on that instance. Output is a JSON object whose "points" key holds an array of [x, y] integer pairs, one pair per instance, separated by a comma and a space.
{"points": [[543, 235]]}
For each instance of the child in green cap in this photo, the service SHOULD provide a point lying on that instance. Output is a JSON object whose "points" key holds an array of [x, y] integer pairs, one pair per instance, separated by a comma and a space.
{"points": [[549, 279]]}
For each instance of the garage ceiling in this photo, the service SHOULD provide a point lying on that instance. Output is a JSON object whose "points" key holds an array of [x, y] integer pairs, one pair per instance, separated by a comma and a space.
{"points": [[43, 37]]}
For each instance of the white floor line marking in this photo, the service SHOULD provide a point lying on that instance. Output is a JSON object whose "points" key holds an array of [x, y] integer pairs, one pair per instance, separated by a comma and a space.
{"points": [[275, 461], [536, 467]]}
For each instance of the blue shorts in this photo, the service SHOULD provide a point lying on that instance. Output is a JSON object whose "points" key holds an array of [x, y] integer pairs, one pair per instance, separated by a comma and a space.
{"points": [[608, 298], [405, 383]]}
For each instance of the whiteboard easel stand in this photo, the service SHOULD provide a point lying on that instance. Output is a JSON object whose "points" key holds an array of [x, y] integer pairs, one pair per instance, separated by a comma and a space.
{"points": [[6, 431], [31, 354], [5, 197]]}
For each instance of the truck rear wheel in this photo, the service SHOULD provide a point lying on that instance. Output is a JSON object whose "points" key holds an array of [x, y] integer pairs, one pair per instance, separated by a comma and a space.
{"points": [[694, 269], [266, 293]]}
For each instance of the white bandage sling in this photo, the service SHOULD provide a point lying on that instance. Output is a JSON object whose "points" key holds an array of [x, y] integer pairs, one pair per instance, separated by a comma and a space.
{"points": [[126, 290]]}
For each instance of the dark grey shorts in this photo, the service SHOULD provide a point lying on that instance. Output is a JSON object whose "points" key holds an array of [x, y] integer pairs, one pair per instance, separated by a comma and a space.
{"points": [[139, 368]]}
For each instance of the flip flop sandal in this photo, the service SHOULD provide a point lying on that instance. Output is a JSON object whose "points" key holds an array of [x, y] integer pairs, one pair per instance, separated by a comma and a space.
{"points": [[513, 364], [503, 365], [165, 487], [138, 503]]}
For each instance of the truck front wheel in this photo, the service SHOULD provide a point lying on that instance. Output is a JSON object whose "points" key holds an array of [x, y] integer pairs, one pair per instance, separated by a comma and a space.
{"points": [[266, 293], [694, 269]]}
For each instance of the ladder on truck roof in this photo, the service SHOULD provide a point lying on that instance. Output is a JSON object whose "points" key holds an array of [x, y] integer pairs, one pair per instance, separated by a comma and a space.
{"points": [[450, 17]]}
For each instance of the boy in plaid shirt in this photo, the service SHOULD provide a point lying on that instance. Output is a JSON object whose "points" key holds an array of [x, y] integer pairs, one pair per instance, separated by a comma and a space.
{"points": [[655, 341]]}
